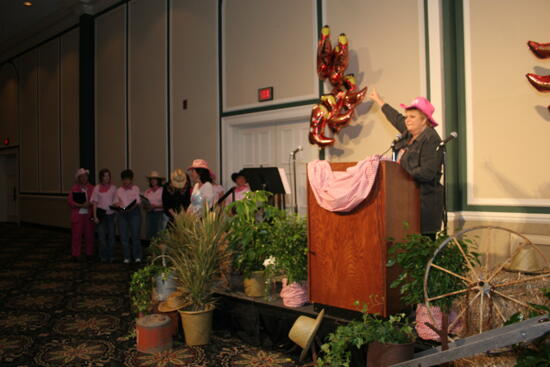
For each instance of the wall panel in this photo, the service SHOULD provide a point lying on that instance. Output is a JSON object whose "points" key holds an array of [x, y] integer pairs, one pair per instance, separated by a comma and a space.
{"points": [[110, 91], [268, 43], [386, 53], [8, 104], [45, 210], [193, 45], [28, 120], [48, 117], [147, 88], [70, 153], [507, 120]]}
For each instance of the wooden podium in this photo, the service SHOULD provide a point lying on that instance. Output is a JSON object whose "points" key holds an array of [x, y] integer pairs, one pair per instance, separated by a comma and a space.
{"points": [[348, 251]]}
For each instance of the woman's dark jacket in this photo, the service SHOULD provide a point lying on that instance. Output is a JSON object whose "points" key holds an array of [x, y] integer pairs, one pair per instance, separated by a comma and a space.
{"points": [[423, 162], [175, 199]]}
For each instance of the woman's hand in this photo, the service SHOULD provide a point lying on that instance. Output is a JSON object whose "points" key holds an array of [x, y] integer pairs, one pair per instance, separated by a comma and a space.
{"points": [[96, 221], [172, 213], [376, 97]]}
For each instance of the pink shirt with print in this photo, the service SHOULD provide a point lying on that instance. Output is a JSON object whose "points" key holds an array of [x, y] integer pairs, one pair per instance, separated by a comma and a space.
{"points": [[104, 196], [125, 195]]}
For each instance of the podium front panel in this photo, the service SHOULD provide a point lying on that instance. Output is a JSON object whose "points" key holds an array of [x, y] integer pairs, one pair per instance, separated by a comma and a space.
{"points": [[348, 251]]}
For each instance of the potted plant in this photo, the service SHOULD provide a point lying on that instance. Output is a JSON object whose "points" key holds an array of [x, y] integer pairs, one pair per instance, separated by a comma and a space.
{"points": [[250, 239], [289, 247], [411, 255], [199, 249], [389, 341], [141, 288]]}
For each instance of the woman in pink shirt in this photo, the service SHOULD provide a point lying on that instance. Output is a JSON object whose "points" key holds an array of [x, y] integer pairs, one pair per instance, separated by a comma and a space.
{"points": [[103, 197], [81, 216], [129, 216], [155, 214]]}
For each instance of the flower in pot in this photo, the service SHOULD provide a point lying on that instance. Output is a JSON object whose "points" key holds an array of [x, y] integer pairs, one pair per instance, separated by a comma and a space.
{"points": [[289, 236], [199, 249], [411, 255], [389, 341], [250, 238]]}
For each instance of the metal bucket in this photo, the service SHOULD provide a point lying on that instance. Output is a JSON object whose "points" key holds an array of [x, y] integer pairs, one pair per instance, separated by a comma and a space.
{"points": [[165, 282]]}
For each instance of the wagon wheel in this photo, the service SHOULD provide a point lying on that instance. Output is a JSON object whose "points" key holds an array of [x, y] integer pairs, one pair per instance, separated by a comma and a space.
{"points": [[490, 290]]}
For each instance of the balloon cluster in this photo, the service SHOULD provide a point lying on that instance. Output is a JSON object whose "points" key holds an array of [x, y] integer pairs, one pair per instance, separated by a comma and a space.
{"points": [[335, 109], [540, 82]]}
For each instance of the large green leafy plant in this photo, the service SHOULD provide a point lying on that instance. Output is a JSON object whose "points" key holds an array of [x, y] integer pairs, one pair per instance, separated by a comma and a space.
{"points": [[141, 287], [412, 255], [289, 246], [200, 252], [337, 352], [251, 237]]}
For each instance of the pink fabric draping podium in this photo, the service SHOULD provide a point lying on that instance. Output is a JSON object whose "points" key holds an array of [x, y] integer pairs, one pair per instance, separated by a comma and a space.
{"points": [[342, 191]]}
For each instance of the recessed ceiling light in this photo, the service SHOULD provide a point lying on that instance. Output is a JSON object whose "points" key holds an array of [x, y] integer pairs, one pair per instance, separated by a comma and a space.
{"points": [[27, 3]]}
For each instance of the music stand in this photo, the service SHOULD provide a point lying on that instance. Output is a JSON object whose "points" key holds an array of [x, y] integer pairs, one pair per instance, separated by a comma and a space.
{"points": [[268, 179]]}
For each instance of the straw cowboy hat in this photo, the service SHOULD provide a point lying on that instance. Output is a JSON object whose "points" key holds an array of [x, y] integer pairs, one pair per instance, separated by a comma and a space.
{"points": [[303, 332], [201, 163], [178, 178], [174, 302], [155, 174], [422, 104], [81, 171]]}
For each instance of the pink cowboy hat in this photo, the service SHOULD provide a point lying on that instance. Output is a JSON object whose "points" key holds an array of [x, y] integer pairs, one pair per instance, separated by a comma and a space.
{"points": [[422, 104], [81, 171], [201, 163]]}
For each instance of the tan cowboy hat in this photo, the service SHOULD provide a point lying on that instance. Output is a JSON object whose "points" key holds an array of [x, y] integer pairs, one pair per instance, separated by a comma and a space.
{"points": [[303, 331], [174, 302], [526, 261], [155, 174], [178, 178]]}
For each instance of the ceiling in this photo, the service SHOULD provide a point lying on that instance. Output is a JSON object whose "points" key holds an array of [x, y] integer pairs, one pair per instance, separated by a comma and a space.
{"points": [[22, 27]]}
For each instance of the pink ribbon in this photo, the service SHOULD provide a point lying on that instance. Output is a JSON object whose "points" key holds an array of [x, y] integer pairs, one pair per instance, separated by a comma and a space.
{"points": [[294, 295]]}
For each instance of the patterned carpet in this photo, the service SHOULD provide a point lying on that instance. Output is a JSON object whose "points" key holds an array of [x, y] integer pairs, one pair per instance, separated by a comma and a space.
{"points": [[55, 312]]}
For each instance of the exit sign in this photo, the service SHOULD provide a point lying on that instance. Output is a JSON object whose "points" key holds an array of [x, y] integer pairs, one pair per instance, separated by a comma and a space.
{"points": [[265, 94]]}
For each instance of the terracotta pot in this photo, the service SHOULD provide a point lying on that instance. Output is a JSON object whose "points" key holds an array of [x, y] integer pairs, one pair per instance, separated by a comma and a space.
{"points": [[255, 285], [154, 333], [197, 326], [383, 355]]}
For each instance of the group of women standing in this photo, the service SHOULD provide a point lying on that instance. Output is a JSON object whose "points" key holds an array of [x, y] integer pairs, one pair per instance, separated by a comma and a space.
{"points": [[96, 207]]}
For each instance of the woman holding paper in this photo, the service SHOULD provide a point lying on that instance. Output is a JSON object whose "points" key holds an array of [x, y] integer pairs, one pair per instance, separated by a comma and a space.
{"points": [[129, 216], [418, 154], [81, 216], [103, 197], [153, 204]]}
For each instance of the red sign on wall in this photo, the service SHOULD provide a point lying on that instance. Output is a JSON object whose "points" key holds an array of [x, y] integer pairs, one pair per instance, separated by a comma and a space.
{"points": [[265, 94]]}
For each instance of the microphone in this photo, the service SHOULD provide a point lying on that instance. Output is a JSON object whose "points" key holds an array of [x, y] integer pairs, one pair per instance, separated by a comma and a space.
{"points": [[397, 138], [298, 149], [451, 136]]}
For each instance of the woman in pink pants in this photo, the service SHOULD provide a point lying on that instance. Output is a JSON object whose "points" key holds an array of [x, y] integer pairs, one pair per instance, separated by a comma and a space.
{"points": [[81, 214]]}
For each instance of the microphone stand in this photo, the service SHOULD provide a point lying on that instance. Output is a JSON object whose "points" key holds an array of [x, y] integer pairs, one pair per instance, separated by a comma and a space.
{"points": [[444, 167], [293, 156]]}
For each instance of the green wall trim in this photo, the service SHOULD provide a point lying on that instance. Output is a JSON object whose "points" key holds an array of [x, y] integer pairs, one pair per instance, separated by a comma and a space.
{"points": [[270, 107], [86, 94], [508, 209], [220, 87], [427, 50], [450, 56]]}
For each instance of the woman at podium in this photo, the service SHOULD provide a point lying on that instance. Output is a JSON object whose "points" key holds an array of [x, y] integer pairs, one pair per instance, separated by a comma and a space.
{"points": [[417, 152]]}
